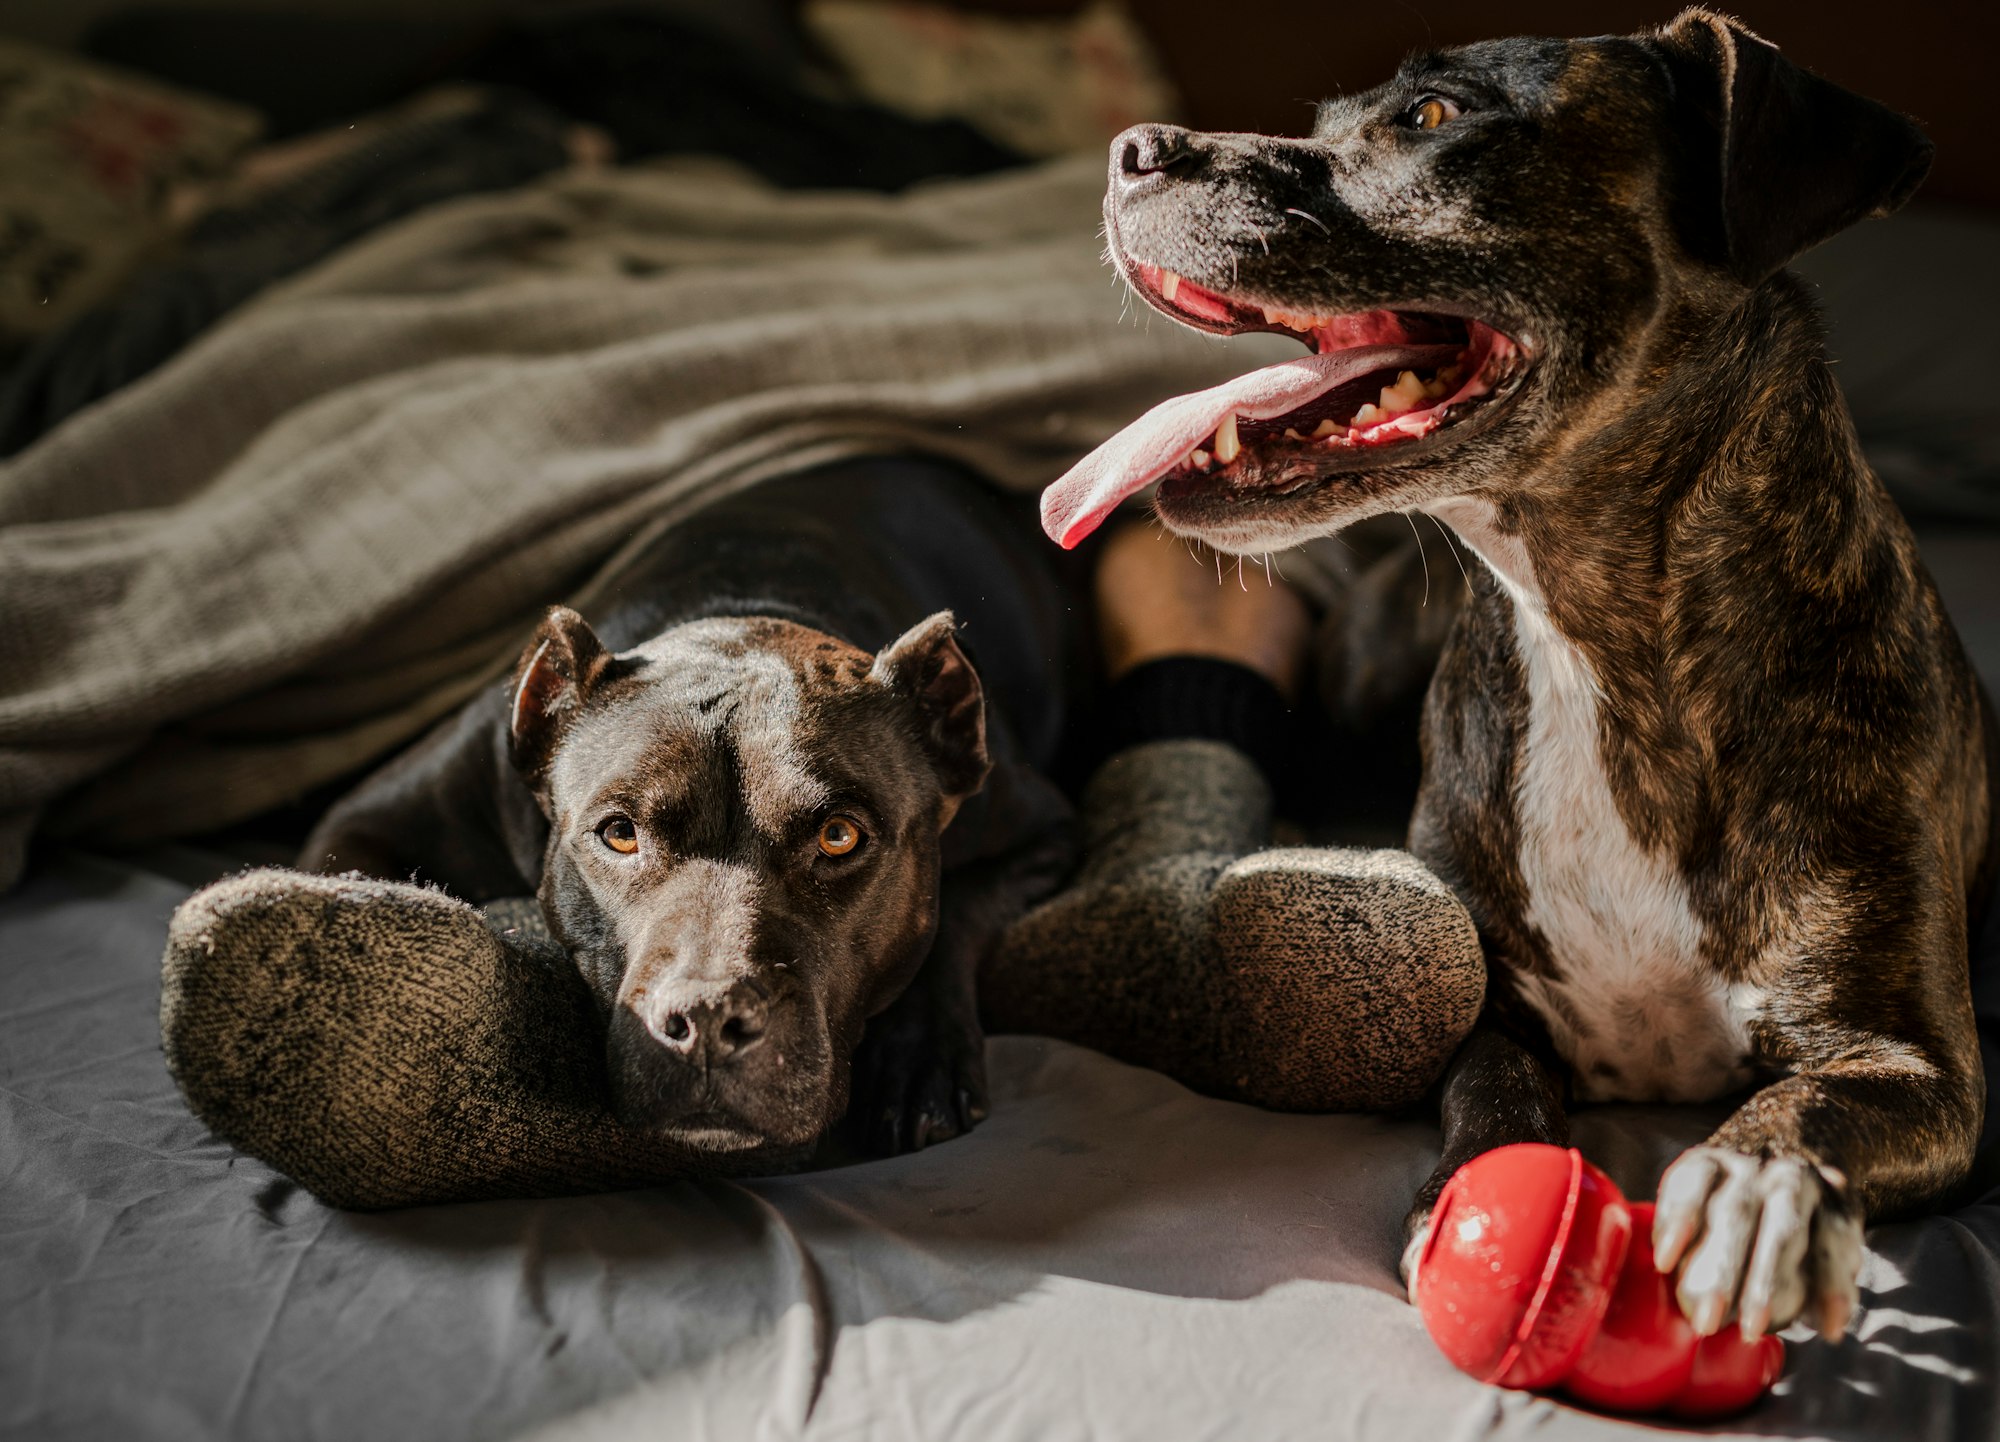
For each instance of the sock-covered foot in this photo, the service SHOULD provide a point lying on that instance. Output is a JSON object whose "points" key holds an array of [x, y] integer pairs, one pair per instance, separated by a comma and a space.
{"points": [[1116, 961], [1308, 979], [1348, 977], [381, 1045]]}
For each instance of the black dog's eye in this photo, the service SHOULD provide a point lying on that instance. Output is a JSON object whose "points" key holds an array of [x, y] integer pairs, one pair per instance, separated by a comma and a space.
{"points": [[1431, 112], [619, 834], [839, 836]]}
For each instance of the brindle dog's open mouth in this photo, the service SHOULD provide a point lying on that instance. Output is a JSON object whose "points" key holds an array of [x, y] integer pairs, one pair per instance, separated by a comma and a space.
{"points": [[1376, 383]]}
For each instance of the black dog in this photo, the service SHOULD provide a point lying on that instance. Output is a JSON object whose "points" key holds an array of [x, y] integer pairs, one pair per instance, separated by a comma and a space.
{"points": [[737, 795], [1703, 754]]}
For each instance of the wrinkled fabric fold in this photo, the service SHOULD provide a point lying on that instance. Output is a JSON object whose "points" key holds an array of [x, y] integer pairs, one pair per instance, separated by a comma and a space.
{"points": [[1107, 1256], [363, 487]]}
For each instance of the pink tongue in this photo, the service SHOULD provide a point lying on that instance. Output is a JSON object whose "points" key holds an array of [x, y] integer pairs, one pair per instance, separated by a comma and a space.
{"points": [[1151, 446]]}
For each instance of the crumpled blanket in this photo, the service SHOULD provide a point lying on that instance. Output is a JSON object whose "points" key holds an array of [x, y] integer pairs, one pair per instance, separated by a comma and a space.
{"points": [[459, 143], [329, 521]]}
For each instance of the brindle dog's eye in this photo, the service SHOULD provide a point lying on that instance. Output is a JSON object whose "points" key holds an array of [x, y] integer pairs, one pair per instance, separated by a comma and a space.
{"points": [[1432, 111], [839, 836], [619, 834]]}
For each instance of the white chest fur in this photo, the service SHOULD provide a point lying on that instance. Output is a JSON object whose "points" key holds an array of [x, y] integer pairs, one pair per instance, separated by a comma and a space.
{"points": [[1631, 1004]]}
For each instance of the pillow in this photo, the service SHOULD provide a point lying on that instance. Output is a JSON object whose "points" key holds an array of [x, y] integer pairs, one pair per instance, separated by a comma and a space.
{"points": [[1043, 86], [88, 157]]}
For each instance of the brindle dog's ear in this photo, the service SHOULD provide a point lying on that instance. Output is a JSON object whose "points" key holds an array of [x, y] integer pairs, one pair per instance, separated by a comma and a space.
{"points": [[560, 666], [1777, 158], [926, 665]]}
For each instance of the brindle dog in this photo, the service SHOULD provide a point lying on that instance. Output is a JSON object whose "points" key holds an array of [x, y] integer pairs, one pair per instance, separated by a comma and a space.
{"points": [[1703, 754]]}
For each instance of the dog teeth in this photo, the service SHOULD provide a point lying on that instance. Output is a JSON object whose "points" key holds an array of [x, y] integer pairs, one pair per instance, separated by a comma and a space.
{"points": [[1409, 393], [1405, 395], [1170, 284], [1444, 383], [1227, 447], [1295, 319], [1198, 457]]}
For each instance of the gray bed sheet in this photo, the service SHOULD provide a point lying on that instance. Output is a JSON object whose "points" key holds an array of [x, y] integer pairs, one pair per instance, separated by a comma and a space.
{"points": [[1108, 1257]]}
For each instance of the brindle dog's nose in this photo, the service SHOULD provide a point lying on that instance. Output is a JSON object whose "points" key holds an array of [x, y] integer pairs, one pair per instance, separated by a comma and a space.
{"points": [[1151, 154], [717, 1029]]}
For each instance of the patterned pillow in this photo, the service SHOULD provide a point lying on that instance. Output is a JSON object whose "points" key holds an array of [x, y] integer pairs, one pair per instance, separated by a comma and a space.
{"points": [[88, 157], [1043, 86]]}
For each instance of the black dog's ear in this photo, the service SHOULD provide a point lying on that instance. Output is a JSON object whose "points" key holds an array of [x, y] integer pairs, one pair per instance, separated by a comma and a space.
{"points": [[926, 665], [556, 672], [1778, 158]]}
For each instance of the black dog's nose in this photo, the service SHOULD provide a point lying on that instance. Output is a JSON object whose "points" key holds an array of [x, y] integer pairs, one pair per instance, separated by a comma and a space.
{"points": [[718, 1029], [1148, 154]]}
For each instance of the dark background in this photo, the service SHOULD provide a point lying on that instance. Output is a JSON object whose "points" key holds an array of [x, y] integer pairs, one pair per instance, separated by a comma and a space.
{"points": [[1260, 64]]}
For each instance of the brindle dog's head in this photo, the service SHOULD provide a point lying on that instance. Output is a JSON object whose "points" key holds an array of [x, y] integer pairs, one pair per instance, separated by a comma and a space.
{"points": [[1515, 224], [743, 851]]}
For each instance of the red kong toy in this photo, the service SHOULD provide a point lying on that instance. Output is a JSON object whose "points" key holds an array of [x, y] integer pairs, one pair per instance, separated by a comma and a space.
{"points": [[1538, 1272]]}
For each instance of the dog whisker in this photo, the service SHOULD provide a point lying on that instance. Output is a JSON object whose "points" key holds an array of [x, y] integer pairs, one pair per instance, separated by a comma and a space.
{"points": [[1421, 555], [1302, 215], [1451, 544]]}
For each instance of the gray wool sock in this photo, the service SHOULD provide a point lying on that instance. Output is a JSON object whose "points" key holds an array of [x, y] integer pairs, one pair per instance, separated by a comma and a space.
{"points": [[1353, 975], [1169, 799], [385, 1046], [1117, 961], [1302, 979]]}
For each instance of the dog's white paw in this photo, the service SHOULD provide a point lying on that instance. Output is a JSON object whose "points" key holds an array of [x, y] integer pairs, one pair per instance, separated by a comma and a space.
{"points": [[1765, 1240]]}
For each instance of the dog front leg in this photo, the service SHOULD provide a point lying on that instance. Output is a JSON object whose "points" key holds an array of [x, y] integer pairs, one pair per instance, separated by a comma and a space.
{"points": [[449, 810], [920, 1071], [1496, 1093], [1765, 1220]]}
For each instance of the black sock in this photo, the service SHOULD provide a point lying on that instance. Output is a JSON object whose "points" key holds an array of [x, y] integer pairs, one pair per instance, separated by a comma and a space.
{"points": [[1199, 698]]}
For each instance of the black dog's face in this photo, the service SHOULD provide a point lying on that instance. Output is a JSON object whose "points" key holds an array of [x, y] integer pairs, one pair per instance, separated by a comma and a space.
{"points": [[1477, 254], [743, 858]]}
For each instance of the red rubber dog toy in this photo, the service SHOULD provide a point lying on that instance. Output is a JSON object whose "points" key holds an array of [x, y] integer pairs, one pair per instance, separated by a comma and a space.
{"points": [[1539, 1273]]}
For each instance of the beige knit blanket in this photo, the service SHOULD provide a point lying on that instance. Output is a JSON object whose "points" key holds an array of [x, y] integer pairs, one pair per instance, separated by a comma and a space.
{"points": [[333, 518]]}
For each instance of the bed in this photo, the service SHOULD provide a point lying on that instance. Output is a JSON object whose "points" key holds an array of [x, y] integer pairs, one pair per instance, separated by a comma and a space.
{"points": [[1108, 1256]]}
